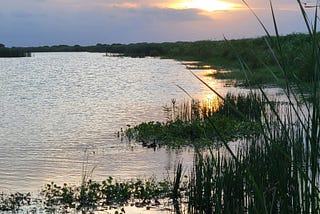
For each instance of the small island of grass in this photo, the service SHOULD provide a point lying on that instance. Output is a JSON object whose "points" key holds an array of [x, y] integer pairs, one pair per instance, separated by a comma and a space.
{"points": [[235, 117]]}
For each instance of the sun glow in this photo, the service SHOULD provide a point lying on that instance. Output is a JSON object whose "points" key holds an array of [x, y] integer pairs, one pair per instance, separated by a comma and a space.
{"points": [[206, 5]]}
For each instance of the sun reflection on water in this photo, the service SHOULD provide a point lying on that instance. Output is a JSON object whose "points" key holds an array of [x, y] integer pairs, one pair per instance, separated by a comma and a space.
{"points": [[212, 102], [208, 99]]}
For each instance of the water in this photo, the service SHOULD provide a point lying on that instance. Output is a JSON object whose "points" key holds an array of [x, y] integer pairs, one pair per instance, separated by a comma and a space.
{"points": [[59, 109]]}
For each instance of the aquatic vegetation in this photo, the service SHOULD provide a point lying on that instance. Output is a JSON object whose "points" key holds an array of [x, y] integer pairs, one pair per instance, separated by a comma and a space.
{"points": [[236, 117], [106, 194], [14, 202], [263, 177], [90, 195]]}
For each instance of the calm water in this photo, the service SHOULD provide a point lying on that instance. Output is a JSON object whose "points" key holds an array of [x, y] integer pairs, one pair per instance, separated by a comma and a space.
{"points": [[58, 109]]}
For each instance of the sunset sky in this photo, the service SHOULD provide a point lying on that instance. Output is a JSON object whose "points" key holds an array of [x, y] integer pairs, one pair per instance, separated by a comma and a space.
{"points": [[87, 22]]}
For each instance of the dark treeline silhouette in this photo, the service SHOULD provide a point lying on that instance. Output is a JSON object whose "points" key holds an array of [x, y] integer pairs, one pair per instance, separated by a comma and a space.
{"points": [[67, 48], [296, 52], [13, 52]]}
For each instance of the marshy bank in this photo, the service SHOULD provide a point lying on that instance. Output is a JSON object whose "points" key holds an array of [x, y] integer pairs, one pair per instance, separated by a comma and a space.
{"points": [[222, 55], [275, 170]]}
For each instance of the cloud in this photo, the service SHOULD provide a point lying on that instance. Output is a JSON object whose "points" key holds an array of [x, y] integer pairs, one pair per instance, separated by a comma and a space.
{"points": [[93, 25], [48, 22]]}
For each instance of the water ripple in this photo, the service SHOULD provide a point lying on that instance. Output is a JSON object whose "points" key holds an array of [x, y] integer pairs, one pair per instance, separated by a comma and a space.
{"points": [[56, 106]]}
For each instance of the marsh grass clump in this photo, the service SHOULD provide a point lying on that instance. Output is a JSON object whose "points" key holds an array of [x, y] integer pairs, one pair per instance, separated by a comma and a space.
{"points": [[261, 178], [193, 123]]}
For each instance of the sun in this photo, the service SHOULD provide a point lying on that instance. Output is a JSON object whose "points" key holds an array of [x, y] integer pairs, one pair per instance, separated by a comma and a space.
{"points": [[206, 5]]}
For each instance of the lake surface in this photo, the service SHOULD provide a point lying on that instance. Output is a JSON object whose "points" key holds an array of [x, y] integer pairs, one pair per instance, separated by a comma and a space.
{"points": [[60, 112]]}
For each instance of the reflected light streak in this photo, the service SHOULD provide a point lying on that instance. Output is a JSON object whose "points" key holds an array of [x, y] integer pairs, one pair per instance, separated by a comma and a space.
{"points": [[211, 102], [209, 99], [210, 72]]}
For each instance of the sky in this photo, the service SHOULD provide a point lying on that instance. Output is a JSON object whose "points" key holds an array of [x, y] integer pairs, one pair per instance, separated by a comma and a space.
{"points": [[88, 22]]}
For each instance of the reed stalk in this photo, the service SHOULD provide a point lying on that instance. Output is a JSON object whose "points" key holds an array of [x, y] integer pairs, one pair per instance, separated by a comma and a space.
{"points": [[277, 172]]}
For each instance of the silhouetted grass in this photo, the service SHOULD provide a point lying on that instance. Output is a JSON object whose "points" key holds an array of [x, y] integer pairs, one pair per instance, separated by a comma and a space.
{"points": [[279, 171], [264, 177]]}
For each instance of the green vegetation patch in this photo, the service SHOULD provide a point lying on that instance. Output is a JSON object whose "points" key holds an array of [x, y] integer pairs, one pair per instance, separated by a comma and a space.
{"points": [[201, 132], [91, 195], [203, 127]]}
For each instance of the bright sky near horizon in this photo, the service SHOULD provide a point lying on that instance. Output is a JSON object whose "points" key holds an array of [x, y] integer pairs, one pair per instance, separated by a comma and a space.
{"points": [[87, 22]]}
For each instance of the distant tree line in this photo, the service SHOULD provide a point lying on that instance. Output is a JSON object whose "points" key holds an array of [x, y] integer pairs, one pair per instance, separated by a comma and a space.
{"points": [[13, 52], [294, 52], [67, 48]]}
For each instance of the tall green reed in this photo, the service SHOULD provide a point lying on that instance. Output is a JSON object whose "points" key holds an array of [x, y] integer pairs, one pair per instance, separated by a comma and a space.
{"points": [[278, 172]]}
